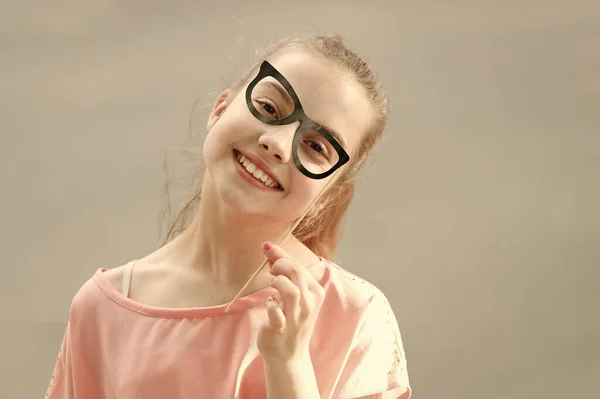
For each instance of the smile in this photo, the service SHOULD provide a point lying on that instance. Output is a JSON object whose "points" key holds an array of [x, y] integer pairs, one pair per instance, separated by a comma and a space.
{"points": [[257, 175]]}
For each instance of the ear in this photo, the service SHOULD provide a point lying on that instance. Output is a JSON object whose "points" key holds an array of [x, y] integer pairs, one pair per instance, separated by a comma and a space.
{"points": [[218, 108]]}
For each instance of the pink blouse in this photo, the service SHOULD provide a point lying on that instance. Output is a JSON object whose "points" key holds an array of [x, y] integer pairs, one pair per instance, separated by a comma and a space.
{"points": [[115, 347]]}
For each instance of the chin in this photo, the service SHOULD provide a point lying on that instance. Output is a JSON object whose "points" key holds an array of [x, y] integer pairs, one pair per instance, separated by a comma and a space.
{"points": [[238, 203]]}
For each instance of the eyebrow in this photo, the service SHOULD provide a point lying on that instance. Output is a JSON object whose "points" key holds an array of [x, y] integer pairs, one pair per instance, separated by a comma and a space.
{"points": [[284, 94], [335, 135]]}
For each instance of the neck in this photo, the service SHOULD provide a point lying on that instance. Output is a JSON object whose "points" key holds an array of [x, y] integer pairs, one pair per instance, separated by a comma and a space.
{"points": [[226, 246]]}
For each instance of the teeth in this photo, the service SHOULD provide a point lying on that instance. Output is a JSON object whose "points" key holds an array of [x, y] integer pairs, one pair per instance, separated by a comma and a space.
{"points": [[257, 173]]}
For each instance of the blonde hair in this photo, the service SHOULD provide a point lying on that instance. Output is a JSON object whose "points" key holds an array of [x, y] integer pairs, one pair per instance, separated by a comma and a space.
{"points": [[321, 230]]}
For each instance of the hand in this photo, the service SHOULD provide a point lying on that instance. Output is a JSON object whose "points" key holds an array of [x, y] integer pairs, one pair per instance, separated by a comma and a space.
{"points": [[291, 320]]}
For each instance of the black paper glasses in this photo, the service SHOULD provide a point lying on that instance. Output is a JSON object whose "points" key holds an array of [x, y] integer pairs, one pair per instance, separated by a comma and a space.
{"points": [[272, 100]]}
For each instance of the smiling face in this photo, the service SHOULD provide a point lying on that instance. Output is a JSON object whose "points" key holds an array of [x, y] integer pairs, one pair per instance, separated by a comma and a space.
{"points": [[250, 163]]}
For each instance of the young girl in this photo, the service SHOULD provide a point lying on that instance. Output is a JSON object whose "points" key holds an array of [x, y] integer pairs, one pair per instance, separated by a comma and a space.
{"points": [[158, 328]]}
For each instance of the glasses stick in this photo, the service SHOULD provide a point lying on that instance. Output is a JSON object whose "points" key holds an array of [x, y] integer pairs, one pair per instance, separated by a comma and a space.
{"points": [[284, 238]]}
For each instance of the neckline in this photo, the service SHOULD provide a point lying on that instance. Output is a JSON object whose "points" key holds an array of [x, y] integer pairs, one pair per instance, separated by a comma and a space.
{"points": [[242, 303]]}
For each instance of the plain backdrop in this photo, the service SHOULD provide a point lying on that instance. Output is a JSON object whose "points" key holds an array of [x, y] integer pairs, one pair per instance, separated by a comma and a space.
{"points": [[477, 217]]}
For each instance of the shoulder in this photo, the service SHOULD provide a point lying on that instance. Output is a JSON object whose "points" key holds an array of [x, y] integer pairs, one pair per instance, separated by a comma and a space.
{"points": [[360, 305], [94, 290], [363, 325], [353, 301], [115, 276], [350, 286]]}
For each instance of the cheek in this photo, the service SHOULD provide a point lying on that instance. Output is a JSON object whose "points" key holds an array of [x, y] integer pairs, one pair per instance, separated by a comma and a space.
{"points": [[305, 190], [223, 137], [236, 128]]}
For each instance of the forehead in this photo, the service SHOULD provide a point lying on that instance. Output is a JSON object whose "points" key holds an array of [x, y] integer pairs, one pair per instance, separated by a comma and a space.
{"points": [[328, 96]]}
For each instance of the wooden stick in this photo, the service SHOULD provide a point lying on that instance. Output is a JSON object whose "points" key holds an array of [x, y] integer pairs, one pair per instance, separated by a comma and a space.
{"points": [[284, 238]]}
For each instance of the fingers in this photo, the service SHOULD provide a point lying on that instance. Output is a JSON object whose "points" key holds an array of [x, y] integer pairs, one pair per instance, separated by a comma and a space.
{"points": [[295, 272], [274, 252], [281, 263], [299, 291], [276, 316], [289, 295]]}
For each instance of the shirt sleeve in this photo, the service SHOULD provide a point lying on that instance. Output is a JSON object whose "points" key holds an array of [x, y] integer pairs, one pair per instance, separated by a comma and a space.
{"points": [[61, 384], [376, 363]]}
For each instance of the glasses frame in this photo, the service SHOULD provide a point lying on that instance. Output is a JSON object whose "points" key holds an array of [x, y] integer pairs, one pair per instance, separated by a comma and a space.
{"points": [[266, 69]]}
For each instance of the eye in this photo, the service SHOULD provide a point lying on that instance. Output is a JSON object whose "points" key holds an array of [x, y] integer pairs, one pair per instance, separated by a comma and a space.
{"points": [[268, 108], [317, 147]]}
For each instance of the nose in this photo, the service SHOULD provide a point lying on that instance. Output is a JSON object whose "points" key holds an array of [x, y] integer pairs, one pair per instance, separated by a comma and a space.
{"points": [[276, 141]]}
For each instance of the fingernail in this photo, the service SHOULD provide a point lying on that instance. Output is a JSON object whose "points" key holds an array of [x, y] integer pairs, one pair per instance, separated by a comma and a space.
{"points": [[267, 245]]}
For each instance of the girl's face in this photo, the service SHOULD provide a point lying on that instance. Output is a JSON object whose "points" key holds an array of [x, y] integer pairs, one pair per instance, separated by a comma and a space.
{"points": [[238, 144]]}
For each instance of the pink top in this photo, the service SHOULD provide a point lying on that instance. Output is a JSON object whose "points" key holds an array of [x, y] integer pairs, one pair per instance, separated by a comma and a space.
{"points": [[115, 347]]}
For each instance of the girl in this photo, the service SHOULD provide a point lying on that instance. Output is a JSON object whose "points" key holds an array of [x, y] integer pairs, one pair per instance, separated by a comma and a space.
{"points": [[303, 119]]}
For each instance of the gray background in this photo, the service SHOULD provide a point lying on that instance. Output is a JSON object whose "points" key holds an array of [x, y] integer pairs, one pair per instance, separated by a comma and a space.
{"points": [[478, 216]]}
